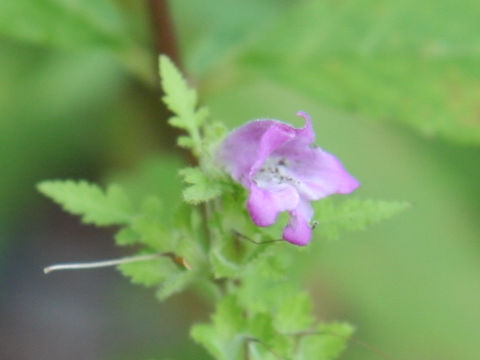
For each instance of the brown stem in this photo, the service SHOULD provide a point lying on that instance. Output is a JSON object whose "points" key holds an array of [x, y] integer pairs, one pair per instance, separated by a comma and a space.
{"points": [[164, 32], [166, 43]]}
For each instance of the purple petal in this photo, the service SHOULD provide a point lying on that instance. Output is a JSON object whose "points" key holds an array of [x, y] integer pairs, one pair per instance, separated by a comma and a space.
{"points": [[276, 162], [305, 135], [319, 173], [298, 231], [265, 205], [247, 148]]}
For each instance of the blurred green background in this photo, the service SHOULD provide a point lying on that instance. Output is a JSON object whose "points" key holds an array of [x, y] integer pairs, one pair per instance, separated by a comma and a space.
{"points": [[394, 91]]}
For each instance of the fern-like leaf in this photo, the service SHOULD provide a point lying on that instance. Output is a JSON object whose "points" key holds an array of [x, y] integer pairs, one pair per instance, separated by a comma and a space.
{"points": [[95, 206], [353, 214]]}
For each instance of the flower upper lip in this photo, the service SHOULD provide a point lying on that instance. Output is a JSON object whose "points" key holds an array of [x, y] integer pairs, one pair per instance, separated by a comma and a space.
{"points": [[283, 172]]}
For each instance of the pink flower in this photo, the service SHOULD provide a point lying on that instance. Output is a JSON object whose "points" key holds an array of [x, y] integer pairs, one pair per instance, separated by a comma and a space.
{"points": [[283, 172]]}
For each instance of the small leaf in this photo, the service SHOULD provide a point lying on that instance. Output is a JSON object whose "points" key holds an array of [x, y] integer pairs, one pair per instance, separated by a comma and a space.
{"points": [[353, 214], [89, 201], [202, 188], [327, 344], [205, 335], [182, 101], [149, 273], [151, 226], [223, 267], [224, 338], [179, 98], [127, 236], [261, 327], [185, 142], [175, 283], [295, 313]]}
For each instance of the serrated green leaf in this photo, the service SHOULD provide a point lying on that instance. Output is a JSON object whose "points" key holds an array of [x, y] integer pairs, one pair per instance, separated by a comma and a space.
{"points": [[221, 266], [214, 133], [89, 201], [229, 316], [179, 97], [175, 283], [152, 226], [206, 335], [327, 342], [353, 214], [154, 176], [182, 101], [268, 262], [261, 327], [224, 338], [199, 193], [259, 294], [294, 314], [417, 63], [149, 273], [127, 236], [185, 141], [202, 188]]}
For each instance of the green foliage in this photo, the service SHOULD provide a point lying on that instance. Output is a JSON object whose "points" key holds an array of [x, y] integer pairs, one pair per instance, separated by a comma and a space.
{"points": [[68, 24], [225, 337], [234, 330], [295, 313], [326, 341], [150, 273], [101, 25], [155, 176], [202, 188], [410, 62], [353, 214], [149, 227], [222, 266], [260, 312], [182, 101], [87, 200], [175, 283]]}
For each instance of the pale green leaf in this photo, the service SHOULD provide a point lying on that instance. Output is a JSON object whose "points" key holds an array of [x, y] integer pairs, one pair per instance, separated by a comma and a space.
{"points": [[88, 200], [179, 97], [151, 225], [271, 343], [202, 189], [206, 335], [409, 61], [175, 283], [182, 101], [294, 313], [185, 141], [222, 266], [224, 338], [149, 273], [127, 236], [326, 342], [353, 214]]}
